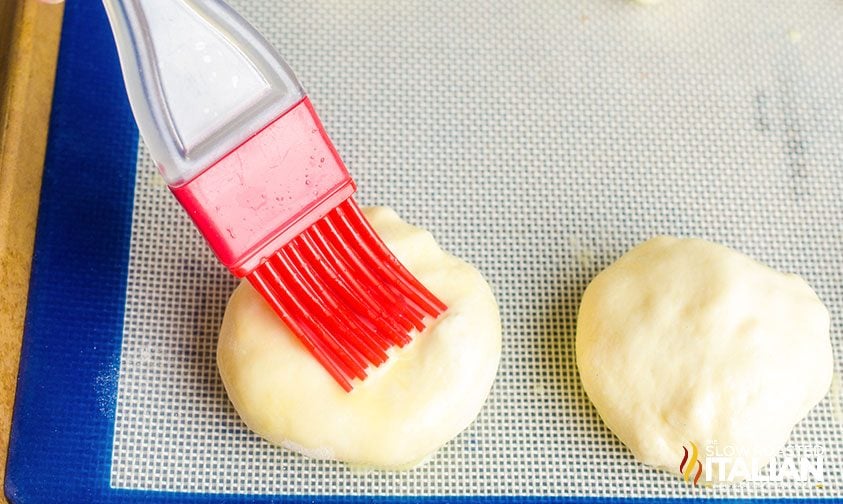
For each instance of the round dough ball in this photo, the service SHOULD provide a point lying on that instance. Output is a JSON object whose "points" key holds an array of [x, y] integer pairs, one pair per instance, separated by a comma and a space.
{"points": [[683, 340], [423, 396]]}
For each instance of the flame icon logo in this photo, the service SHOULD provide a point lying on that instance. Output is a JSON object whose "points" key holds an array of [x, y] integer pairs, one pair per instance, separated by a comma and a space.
{"points": [[689, 461]]}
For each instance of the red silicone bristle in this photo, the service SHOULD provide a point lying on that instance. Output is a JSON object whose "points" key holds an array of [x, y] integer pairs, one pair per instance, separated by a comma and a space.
{"points": [[392, 325], [378, 325], [380, 258], [267, 283], [366, 279], [343, 294], [358, 336], [315, 313]]}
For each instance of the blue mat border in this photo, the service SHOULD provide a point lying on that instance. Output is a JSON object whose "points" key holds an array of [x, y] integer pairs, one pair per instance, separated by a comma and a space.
{"points": [[62, 429]]}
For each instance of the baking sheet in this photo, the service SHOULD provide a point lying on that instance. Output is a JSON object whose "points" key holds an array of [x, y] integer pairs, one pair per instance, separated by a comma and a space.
{"points": [[538, 141]]}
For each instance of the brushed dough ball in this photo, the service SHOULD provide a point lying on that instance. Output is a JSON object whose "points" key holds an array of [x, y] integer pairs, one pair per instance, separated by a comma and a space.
{"points": [[424, 395], [683, 340]]}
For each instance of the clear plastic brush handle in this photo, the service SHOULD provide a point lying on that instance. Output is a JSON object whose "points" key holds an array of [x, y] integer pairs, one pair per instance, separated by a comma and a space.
{"points": [[200, 80]]}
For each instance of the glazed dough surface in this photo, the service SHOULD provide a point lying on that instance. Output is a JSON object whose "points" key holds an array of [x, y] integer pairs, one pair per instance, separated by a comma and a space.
{"points": [[424, 395], [683, 340]]}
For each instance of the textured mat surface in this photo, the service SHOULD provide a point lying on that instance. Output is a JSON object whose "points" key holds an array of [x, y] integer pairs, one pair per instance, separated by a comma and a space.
{"points": [[538, 141]]}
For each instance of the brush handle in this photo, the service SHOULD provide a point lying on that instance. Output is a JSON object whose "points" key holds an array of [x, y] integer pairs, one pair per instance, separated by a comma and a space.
{"points": [[200, 79]]}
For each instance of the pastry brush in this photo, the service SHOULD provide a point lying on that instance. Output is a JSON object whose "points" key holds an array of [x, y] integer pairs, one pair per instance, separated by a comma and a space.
{"points": [[240, 146]]}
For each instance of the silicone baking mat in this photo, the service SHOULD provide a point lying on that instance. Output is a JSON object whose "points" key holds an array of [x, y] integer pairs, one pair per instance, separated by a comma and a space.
{"points": [[537, 140]]}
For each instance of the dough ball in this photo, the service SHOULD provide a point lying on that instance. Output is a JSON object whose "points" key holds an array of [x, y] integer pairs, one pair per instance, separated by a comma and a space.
{"points": [[683, 340], [423, 396]]}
